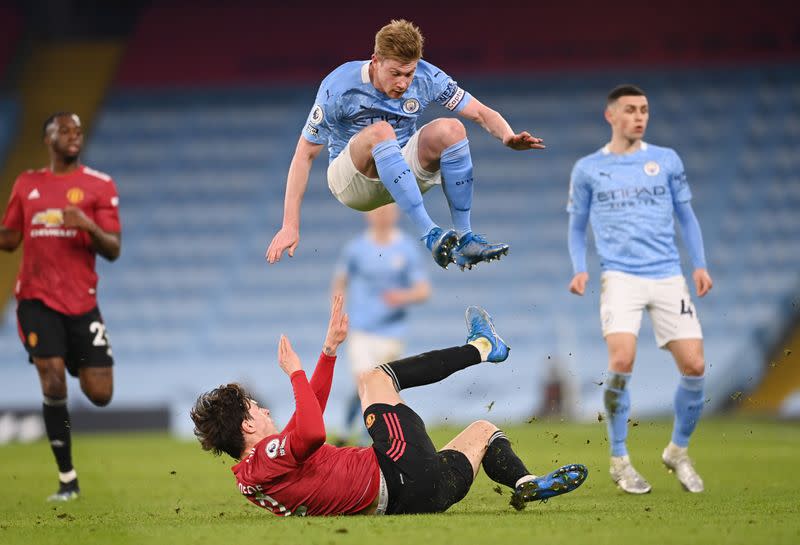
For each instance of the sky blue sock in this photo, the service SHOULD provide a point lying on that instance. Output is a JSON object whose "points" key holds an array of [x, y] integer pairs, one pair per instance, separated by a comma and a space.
{"points": [[456, 166], [688, 407], [618, 406], [396, 175]]}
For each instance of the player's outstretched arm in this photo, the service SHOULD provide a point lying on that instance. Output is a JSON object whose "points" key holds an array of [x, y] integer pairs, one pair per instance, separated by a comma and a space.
{"points": [[498, 127], [337, 326], [307, 426], [288, 237], [576, 242], [9, 239], [105, 243]]}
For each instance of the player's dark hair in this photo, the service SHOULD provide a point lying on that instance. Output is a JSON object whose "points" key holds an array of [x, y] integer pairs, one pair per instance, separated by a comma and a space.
{"points": [[624, 90], [49, 121], [218, 417]]}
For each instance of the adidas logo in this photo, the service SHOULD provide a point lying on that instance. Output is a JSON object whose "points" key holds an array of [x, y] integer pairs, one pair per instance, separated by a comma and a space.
{"points": [[33, 194]]}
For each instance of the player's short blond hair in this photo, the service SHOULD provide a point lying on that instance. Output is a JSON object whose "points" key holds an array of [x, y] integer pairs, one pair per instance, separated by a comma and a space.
{"points": [[400, 40]]}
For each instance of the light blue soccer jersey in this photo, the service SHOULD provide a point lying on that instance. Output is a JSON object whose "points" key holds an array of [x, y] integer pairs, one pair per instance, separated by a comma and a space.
{"points": [[371, 270], [347, 102], [630, 200]]}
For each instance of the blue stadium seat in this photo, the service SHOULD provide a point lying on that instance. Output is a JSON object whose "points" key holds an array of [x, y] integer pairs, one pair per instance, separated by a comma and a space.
{"points": [[201, 176]]}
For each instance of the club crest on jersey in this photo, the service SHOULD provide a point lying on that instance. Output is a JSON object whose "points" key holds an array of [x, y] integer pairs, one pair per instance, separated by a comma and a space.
{"points": [[411, 106], [75, 195], [272, 448], [370, 420], [52, 217], [651, 168], [317, 115]]}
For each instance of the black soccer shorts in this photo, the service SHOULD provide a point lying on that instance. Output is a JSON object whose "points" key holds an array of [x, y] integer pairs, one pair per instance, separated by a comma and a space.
{"points": [[418, 478], [81, 340]]}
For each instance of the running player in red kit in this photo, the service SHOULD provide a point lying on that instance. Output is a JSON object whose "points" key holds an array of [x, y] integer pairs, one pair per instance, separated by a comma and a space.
{"points": [[294, 472], [63, 215]]}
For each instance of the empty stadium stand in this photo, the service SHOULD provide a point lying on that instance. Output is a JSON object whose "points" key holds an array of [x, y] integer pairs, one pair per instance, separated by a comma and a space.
{"points": [[201, 173]]}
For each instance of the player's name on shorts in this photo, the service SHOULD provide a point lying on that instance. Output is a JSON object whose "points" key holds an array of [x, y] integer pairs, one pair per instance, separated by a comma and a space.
{"points": [[54, 232]]}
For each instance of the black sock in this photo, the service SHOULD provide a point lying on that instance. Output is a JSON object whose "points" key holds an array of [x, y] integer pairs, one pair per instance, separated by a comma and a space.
{"points": [[431, 366], [500, 462], [56, 422]]}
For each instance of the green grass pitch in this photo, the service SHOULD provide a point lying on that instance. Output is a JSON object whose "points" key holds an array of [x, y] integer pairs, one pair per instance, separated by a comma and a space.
{"points": [[152, 489]]}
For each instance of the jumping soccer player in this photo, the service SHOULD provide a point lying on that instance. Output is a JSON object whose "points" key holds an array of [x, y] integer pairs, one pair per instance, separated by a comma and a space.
{"points": [[65, 214], [293, 470], [366, 112], [630, 189]]}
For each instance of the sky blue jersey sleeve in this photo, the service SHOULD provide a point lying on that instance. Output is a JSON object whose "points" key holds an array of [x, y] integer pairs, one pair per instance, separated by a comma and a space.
{"points": [[692, 236], [578, 205], [445, 90], [319, 121], [580, 192], [678, 184]]}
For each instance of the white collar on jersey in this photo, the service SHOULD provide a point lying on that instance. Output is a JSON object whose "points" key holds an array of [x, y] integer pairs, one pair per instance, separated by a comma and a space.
{"points": [[606, 150], [365, 72]]}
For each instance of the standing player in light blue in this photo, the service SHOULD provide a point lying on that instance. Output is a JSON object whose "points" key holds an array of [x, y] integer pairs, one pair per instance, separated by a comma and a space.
{"points": [[629, 190], [382, 273], [366, 112]]}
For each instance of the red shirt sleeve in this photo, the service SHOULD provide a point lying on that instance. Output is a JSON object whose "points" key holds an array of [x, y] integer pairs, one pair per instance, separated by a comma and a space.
{"points": [[13, 217], [321, 382], [107, 209], [309, 427]]}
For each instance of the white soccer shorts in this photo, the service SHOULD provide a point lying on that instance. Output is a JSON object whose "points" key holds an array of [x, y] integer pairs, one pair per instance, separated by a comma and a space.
{"points": [[624, 296], [357, 191], [366, 351]]}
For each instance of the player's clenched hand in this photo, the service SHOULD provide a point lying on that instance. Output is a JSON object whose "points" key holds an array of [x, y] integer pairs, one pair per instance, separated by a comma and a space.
{"points": [[578, 284], [702, 281], [74, 217], [287, 357], [337, 326], [523, 141], [286, 239]]}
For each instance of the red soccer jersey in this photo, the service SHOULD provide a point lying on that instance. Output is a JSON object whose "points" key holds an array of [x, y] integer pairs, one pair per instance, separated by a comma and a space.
{"points": [[294, 472], [58, 263], [332, 481]]}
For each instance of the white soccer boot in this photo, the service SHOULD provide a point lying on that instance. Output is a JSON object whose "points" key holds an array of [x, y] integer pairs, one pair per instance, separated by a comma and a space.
{"points": [[677, 460], [627, 478]]}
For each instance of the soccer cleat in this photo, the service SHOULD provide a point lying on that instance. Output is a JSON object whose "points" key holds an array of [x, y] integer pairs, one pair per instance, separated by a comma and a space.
{"points": [[66, 492], [441, 244], [562, 480], [473, 249], [627, 478], [480, 324], [677, 460]]}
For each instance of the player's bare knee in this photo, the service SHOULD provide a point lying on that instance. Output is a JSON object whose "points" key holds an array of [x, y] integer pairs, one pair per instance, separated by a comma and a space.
{"points": [[695, 367], [373, 377], [620, 363], [377, 133], [98, 394], [453, 130], [483, 428], [54, 383], [54, 389], [100, 399]]}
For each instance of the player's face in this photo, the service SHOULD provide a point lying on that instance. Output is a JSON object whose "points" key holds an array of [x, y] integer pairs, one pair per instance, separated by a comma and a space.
{"points": [[628, 117], [261, 419], [393, 77], [65, 136]]}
